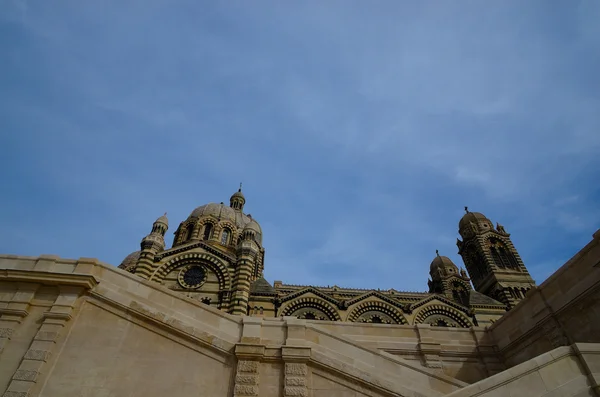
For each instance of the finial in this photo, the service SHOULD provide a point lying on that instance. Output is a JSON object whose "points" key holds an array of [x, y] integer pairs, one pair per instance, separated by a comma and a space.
{"points": [[240, 189], [437, 252], [165, 214], [466, 209]]}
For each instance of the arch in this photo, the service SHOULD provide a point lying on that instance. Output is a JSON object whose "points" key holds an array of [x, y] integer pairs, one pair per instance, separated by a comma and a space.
{"points": [[377, 306], [440, 310], [213, 263], [207, 232], [225, 236], [189, 231], [460, 292], [310, 302]]}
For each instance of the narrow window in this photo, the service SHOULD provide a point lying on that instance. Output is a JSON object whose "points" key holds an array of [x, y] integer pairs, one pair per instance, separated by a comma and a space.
{"points": [[497, 259], [207, 231], [225, 237], [189, 231]]}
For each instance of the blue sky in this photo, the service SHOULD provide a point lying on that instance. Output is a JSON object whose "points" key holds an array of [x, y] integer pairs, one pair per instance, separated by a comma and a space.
{"points": [[359, 129]]}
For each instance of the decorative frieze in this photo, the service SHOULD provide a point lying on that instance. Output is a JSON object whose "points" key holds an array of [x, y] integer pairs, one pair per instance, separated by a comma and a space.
{"points": [[26, 375], [6, 332], [16, 394], [48, 336], [246, 378], [296, 382], [554, 333], [37, 355], [296, 370]]}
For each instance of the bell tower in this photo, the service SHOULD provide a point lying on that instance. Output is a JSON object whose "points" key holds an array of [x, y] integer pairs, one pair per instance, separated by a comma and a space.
{"points": [[493, 263]]}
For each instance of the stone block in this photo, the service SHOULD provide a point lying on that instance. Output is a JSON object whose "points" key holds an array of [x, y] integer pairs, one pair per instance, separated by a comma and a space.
{"points": [[37, 355]]}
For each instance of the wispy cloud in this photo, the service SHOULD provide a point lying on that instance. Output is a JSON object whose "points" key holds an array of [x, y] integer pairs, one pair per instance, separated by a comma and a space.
{"points": [[359, 132]]}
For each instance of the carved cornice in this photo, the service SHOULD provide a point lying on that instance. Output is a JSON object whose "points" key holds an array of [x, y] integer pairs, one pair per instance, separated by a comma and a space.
{"points": [[86, 281], [13, 312], [57, 316]]}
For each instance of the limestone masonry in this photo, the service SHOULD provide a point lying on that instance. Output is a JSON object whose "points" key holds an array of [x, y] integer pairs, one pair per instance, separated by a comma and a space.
{"points": [[199, 319]]}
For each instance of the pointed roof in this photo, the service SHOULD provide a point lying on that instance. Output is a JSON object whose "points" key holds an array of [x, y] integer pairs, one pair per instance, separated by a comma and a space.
{"points": [[262, 287], [479, 299]]}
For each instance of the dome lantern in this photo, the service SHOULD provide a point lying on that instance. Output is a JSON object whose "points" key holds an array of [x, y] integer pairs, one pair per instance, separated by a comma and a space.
{"points": [[237, 200]]}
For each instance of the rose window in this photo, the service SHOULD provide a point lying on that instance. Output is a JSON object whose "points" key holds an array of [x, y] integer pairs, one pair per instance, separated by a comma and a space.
{"points": [[192, 276]]}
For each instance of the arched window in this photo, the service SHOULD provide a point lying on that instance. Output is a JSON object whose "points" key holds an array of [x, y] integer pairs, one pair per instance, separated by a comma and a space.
{"points": [[261, 310], [496, 257], [189, 231], [207, 231], [513, 261], [225, 236]]}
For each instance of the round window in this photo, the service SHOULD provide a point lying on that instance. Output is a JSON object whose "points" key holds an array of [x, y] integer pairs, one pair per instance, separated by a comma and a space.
{"points": [[192, 276]]}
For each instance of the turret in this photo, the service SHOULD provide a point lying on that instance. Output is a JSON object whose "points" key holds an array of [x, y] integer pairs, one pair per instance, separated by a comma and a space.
{"points": [[495, 267], [447, 280], [237, 200], [247, 257], [151, 245]]}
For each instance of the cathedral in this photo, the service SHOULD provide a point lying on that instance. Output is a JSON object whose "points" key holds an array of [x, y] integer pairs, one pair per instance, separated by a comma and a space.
{"points": [[218, 258], [199, 319]]}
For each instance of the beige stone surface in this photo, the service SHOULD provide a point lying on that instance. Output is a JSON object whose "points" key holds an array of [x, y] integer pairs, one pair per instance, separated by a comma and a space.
{"points": [[81, 327], [105, 354]]}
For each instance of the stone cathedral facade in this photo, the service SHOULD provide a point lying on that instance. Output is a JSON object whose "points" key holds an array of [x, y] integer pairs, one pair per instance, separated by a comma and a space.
{"points": [[199, 319], [218, 258]]}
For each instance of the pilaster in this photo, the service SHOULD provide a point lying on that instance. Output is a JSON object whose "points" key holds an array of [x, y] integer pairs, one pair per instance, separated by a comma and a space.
{"points": [[247, 375], [14, 311], [296, 380], [296, 331], [429, 347], [42, 346]]}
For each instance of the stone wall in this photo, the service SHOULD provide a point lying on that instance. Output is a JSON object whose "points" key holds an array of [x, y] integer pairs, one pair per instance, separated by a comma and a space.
{"points": [[569, 371], [561, 311], [80, 327]]}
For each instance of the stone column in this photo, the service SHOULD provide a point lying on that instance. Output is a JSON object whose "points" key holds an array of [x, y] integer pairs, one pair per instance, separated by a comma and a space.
{"points": [[296, 370], [16, 308], [296, 331], [54, 321], [295, 355], [247, 373], [249, 354]]}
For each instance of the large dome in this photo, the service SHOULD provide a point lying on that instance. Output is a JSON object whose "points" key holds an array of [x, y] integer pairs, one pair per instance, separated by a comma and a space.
{"points": [[130, 260], [224, 212]]}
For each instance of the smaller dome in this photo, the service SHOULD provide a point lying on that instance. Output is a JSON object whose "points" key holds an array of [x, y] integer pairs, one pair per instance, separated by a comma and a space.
{"points": [[444, 264], [254, 226], [239, 194], [469, 217], [130, 260], [163, 219]]}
